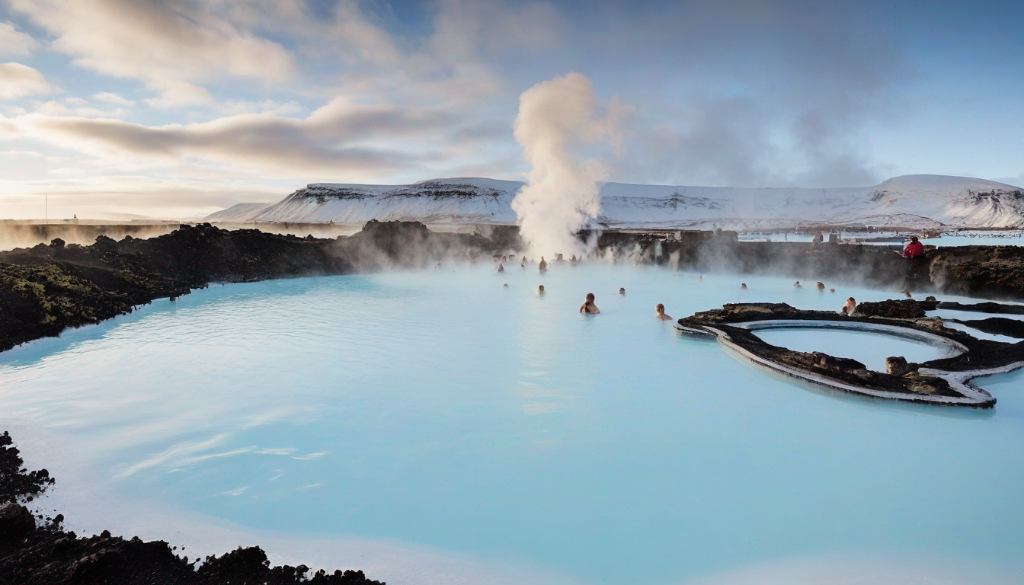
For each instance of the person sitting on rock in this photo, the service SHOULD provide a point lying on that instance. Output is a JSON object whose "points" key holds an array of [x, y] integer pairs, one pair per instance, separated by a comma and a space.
{"points": [[914, 249], [588, 306], [659, 311], [849, 308], [543, 265]]}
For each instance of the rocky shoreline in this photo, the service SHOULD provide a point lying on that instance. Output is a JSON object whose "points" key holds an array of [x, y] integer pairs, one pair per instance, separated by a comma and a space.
{"points": [[940, 382], [36, 550], [49, 288], [981, 271]]}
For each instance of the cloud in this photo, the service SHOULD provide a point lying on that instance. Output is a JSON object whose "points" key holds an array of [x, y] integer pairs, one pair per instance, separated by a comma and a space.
{"points": [[113, 99], [18, 81], [338, 137], [171, 46], [14, 43]]}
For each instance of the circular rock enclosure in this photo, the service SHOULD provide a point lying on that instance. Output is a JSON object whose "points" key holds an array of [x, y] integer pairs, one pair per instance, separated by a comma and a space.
{"points": [[944, 381]]}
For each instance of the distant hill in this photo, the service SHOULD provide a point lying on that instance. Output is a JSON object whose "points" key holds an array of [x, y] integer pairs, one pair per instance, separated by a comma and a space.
{"points": [[921, 201]]}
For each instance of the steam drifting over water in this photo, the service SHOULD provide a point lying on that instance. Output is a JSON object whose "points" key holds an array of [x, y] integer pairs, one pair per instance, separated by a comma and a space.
{"points": [[561, 195]]}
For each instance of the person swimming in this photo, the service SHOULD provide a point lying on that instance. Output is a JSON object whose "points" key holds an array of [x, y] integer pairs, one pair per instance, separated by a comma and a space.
{"points": [[543, 265], [659, 310], [849, 308], [622, 291], [588, 306], [797, 284], [540, 289]]}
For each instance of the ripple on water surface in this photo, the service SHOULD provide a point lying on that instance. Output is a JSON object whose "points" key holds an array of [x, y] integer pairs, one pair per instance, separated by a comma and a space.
{"points": [[440, 409]]}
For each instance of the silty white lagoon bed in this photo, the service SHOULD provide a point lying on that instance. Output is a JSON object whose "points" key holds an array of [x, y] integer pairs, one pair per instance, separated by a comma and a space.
{"points": [[436, 427]]}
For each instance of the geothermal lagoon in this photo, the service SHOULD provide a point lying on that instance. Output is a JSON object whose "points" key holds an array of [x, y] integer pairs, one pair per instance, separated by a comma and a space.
{"points": [[436, 427]]}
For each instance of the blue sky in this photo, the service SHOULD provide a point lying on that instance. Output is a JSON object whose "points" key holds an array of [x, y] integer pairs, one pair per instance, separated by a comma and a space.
{"points": [[178, 108]]}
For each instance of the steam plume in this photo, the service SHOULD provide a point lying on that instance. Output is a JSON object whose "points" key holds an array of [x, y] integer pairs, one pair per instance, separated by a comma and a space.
{"points": [[561, 195]]}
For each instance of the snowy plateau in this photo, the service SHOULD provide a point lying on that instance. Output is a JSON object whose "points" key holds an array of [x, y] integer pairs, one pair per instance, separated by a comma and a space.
{"points": [[912, 201]]}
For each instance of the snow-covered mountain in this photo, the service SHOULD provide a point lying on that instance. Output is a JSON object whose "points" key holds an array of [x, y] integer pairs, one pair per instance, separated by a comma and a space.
{"points": [[923, 201]]}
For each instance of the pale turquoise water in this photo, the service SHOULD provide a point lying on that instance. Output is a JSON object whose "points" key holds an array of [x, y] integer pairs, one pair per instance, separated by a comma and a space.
{"points": [[440, 409], [869, 349]]}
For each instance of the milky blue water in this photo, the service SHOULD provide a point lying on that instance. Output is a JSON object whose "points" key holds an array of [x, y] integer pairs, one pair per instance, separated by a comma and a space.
{"points": [[441, 409], [870, 349]]}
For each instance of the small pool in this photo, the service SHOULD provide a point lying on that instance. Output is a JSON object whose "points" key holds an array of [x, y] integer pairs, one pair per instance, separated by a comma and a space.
{"points": [[438, 427], [870, 349]]}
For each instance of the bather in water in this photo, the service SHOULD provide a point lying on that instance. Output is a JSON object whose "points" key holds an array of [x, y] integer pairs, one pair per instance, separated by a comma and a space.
{"points": [[849, 308], [743, 286], [622, 291], [543, 266], [501, 267], [588, 306], [540, 289], [659, 310]]}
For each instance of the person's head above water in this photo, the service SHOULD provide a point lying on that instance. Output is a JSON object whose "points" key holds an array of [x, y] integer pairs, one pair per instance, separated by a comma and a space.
{"points": [[540, 289], [622, 291], [743, 285], [659, 312], [589, 306]]}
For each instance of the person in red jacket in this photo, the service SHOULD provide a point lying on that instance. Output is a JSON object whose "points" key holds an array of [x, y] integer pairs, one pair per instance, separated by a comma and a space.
{"points": [[913, 249]]}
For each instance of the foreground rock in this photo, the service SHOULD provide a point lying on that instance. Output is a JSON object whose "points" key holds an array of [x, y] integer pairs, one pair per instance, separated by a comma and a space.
{"points": [[39, 551], [46, 289], [942, 382]]}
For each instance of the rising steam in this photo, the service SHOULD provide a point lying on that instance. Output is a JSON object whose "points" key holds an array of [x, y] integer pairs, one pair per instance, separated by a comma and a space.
{"points": [[561, 195]]}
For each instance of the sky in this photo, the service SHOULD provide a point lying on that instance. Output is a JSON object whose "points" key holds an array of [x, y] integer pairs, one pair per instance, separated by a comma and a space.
{"points": [[178, 108]]}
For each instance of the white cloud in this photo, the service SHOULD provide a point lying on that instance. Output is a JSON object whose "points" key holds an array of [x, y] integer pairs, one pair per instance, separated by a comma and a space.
{"points": [[14, 43], [338, 137], [113, 99], [170, 46], [18, 81]]}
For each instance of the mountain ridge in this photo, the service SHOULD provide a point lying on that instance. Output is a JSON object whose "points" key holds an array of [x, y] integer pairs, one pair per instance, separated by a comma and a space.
{"points": [[917, 201]]}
